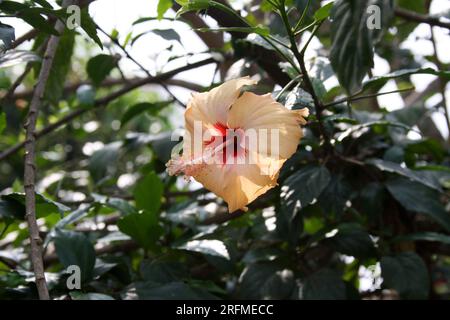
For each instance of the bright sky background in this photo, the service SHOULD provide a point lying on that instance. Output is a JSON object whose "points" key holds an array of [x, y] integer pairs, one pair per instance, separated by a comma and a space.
{"points": [[150, 49]]}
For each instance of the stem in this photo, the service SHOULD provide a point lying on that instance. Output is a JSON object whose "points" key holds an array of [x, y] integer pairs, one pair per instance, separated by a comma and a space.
{"points": [[30, 166], [356, 97], [299, 23], [300, 56]]}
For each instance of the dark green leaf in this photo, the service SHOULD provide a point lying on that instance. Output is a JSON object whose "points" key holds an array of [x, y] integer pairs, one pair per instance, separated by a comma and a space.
{"points": [[380, 81], [406, 273], [393, 167], [151, 108], [352, 42], [300, 189], [352, 240], [265, 281], [73, 248], [418, 198], [7, 35], [103, 161], [325, 284], [99, 67], [61, 66], [2, 122], [162, 271], [424, 236], [148, 193], [262, 31], [142, 227], [171, 291], [90, 27]]}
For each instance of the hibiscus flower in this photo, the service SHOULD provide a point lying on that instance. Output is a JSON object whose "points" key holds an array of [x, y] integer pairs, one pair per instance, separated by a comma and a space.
{"points": [[236, 143]]}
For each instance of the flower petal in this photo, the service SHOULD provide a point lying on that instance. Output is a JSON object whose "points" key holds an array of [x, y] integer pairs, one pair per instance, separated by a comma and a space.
{"points": [[265, 117]]}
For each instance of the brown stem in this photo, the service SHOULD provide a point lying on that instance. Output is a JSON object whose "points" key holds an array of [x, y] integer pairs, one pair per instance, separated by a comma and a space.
{"points": [[30, 166]]}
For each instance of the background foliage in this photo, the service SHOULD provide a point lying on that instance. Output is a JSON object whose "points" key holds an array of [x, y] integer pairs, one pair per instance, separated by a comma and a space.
{"points": [[361, 210]]}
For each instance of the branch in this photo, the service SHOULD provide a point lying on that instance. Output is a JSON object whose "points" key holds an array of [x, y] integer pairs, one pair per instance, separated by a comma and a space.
{"points": [[266, 59], [30, 166], [128, 55], [105, 100], [414, 16], [111, 83]]}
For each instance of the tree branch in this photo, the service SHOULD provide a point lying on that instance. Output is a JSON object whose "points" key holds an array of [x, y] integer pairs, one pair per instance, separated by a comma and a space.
{"points": [[416, 17], [30, 166], [26, 94], [105, 100]]}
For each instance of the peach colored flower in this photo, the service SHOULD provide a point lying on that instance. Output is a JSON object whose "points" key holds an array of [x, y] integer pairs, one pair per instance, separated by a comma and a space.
{"points": [[244, 143]]}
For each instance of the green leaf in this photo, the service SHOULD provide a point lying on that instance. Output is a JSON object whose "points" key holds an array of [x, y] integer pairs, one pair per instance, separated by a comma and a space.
{"points": [[61, 67], [76, 295], [103, 162], [371, 200], [352, 240], [407, 274], [7, 35], [35, 19], [260, 30], [324, 12], [11, 210], [73, 248], [418, 198], [325, 284], [210, 247], [424, 236], [89, 26], [163, 7], [162, 272], [334, 197], [2, 122], [380, 81], [352, 42], [305, 185], [143, 227], [417, 176], [171, 291], [44, 206], [151, 108], [167, 34], [99, 67], [265, 281], [148, 193]]}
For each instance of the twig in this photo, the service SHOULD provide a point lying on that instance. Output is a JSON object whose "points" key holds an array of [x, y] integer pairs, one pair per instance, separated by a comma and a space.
{"points": [[300, 56], [442, 83], [30, 166], [356, 97], [414, 16], [130, 57], [105, 100], [114, 82]]}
